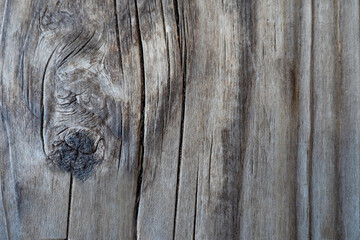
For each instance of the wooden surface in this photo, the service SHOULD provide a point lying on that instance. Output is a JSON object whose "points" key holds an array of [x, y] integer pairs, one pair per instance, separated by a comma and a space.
{"points": [[174, 119]]}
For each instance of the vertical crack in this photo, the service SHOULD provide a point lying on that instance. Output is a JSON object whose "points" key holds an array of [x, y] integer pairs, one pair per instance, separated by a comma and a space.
{"points": [[69, 207], [176, 12], [209, 169], [120, 147], [338, 72], [196, 199], [184, 54], [311, 137], [122, 71], [42, 104], [7, 222], [141, 147], [167, 53], [118, 37], [4, 19]]}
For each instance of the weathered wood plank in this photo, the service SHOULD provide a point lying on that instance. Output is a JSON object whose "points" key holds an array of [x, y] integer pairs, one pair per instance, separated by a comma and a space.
{"points": [[348, 166], [268, 195], [163, 109], [30, 189], [210, 169], [324, 160], [304, 141], [103, 207], [231, 119]]}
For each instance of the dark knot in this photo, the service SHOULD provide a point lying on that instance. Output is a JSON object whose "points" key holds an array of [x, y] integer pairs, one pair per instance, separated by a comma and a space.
{"points": [[76, 154]]}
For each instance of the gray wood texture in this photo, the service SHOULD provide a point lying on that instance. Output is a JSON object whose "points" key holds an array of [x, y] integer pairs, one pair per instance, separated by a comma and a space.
{"points": [[174, 119]]}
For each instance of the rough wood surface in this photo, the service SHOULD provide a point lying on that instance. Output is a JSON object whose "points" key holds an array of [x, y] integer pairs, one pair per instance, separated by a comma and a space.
{"points": [[174, 119]]}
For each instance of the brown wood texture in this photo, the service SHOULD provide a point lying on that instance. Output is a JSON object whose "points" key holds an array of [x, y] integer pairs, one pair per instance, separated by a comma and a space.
{"points": [[174, 119]]}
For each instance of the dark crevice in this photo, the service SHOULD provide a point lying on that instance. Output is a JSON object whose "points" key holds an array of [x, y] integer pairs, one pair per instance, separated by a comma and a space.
{"points": [[311, 137], [121, 141], [163, 21], [142, 122], [338, 72], [71, 52], [7, 221], [184, 53], [42, 104], [85, 44], [196, 200], [20, 70], [176, 12], [69, 42], [293, 73], [3, 24], [167, 54], [69, 207], [74, 52], [118, 37], [168, 73], [209, 169]]}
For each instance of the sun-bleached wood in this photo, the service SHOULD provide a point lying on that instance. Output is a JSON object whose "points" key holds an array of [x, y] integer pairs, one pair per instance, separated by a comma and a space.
{"points": [[174, 119]]}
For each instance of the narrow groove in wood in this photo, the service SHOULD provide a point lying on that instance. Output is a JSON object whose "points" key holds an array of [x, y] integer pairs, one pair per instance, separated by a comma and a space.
{"points": [[2, 48], [42, 101], [118, 37], [84, 45], [122, 70], [7, 222], [295, 69], [22, 79], [11, 167], [120, 147], [74, 52], [6, 7], [209, 169], [311, 137], [176, 12], [181, 132], [141, 147], [21, 63], [167, 53], [69, 207], [5, 213], [338, 97], [196, 200]]}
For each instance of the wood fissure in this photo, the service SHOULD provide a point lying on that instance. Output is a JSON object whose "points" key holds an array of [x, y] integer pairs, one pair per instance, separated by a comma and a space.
{"points": [[69, 207], [312, 118], [183, 105], [118, 36], [3, 20], [122, 71], [196, 203], [7, 221], [167, 54], [339, 233], [42, 133], [10, 225], [142, 124], [176, 12]]}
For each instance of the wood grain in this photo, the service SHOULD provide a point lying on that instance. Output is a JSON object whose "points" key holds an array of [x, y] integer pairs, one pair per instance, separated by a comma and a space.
{"points": [[173, 119]]}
